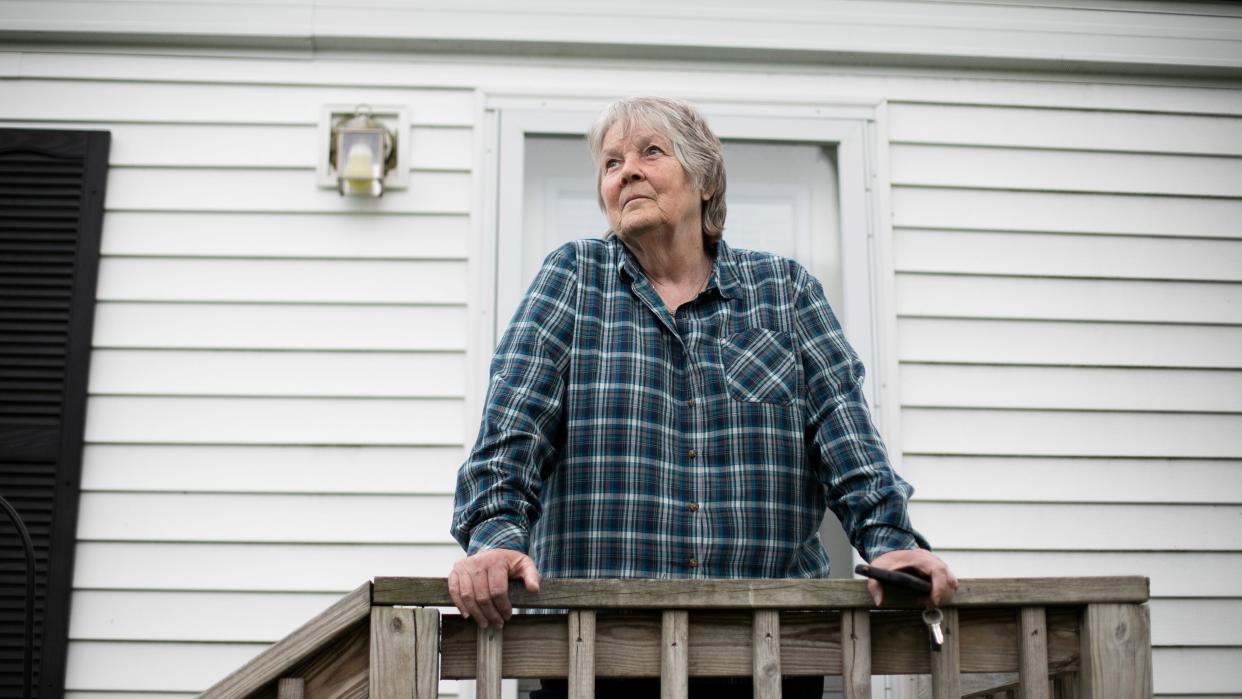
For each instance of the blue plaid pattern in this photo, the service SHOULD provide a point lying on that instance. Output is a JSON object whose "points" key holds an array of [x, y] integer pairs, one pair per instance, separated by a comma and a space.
{"points": [[621, 441]]}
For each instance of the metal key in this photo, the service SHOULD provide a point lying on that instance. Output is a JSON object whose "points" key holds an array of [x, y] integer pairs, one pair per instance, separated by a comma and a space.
{"points": [[932, 617]]}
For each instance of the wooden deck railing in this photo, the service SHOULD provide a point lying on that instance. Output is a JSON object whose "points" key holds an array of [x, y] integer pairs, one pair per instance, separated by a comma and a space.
{"points": [[1091, 635]]}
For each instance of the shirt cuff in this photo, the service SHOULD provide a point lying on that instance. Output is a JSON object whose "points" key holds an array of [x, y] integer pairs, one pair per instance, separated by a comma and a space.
{"points": [[879, 539], [497, 534]]}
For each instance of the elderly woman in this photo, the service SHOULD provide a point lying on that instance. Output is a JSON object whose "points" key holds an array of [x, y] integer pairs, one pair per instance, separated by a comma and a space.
{"points": [[665, 406]]}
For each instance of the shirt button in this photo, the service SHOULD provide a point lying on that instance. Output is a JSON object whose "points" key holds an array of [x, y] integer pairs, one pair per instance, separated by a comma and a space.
{"points": [[694, 507], [690, 402], [693, 453], [694, 563]]}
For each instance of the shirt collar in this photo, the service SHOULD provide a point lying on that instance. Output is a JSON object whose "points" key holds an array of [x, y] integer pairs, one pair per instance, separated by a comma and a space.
{"points": [[724, 276]]}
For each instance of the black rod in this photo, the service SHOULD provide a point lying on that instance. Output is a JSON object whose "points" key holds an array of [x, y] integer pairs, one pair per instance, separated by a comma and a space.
{"points": [[28, 656]]}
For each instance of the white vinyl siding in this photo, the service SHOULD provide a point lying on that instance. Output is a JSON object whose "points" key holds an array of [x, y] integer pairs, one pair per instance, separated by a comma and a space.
{"points": [[277, 399], [1069, 300], [281, 377]]}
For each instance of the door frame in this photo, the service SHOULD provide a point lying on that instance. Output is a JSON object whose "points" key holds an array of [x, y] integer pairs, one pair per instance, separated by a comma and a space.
{"points": [[856, 128]]}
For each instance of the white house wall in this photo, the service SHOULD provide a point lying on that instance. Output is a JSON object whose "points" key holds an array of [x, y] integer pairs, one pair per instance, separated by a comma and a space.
{"points": [[281, 378]]}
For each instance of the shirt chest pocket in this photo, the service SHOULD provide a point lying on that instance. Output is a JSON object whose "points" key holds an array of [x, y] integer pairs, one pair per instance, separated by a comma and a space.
{"points": [[760, 366]]}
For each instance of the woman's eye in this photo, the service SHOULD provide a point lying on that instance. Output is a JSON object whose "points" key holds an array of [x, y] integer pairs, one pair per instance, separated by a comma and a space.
{"points": [[611, 163], [655, 150]]}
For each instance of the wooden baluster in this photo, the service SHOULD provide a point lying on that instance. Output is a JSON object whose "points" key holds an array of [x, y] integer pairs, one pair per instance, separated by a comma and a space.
{"points": [[392, 653], [1033, 653], [766, 653], [856, 653], [582, 654], [946, 680], [426, 653], [290, 688], [674, 658], [488, 672], [1116, 651]]}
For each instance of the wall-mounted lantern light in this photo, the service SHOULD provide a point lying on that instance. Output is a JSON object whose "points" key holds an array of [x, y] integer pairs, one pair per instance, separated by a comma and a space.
{"points": [[361, 155]]}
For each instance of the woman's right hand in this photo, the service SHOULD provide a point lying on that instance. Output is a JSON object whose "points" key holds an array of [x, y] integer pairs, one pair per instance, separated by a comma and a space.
{"points": [[479, 584]]}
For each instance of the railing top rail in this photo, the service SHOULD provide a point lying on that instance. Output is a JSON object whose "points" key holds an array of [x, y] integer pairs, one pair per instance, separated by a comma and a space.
{"points": [[771, 594]]}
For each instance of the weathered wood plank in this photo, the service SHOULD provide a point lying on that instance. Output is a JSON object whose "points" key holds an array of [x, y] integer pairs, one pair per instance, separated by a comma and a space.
{"points": [[341, 669], [426, 653], [1116, 651], [490, 655], [856, 653], [772, 594], [766, 653], [290, 688], [582, 654], [628, 645], [1033, 653], [946, 663], [674, 658], [392, 653], [297, 646]]}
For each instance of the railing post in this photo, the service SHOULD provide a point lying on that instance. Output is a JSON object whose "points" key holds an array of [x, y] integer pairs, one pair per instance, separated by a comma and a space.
{"points": [[426, 653], [290, 688], [490, 654], [582, 654], [674, 658], [946, 680], [1033, 653], [392, 653], [1116, 651], [856, 653], [766, 653]]}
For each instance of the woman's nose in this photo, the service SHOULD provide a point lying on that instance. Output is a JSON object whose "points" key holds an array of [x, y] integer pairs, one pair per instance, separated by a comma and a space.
{"points": [[630, 172]]}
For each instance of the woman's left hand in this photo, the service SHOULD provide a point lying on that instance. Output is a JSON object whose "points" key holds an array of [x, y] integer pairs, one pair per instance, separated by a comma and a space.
{"points": [[928, 564]]}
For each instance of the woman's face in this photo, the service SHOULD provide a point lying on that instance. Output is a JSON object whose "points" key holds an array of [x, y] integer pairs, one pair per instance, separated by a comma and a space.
{"points": [[643, 186]]}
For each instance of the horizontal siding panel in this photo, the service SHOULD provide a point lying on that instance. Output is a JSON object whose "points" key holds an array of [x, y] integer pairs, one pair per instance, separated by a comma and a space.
{"points": [[1066, 171], [1070, 433], [241, 567], [366, 519], [130, 695], [285, 235], [166, 667], [1196, 622], [1068, 299], [242, 617], [950, 124], [280, 18], [1197, 670], [279, 327], [264, 146], [1024, 479], [216, 103], [168, 189], [1166, 390], [1073, 343], [1173, 574], [191, 616], [977, 209], [307, 421], [1025, 254], [384, 470], [1044, 526], [296, 281]]}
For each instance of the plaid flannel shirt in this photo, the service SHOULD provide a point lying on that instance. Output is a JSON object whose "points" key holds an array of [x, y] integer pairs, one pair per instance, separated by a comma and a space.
{"points": [[621, 441]]}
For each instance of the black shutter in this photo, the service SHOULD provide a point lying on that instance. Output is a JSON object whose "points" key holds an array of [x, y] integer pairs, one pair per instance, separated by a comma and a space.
{"points": [[51, 210]]}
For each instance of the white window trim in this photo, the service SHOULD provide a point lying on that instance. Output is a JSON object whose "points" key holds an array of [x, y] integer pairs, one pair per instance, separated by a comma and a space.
{"points": [[858, 130]]}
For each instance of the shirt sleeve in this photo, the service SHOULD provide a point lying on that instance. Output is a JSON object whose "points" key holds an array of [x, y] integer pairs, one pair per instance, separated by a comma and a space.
{"points": [[497, 497], [844, 446]]}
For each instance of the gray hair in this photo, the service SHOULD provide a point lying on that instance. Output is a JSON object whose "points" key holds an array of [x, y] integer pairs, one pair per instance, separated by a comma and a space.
{"points": [[694, 146]]}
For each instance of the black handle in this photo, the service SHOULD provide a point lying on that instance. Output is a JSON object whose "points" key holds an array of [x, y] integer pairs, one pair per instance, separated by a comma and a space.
{"points": [[895, 577]]}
